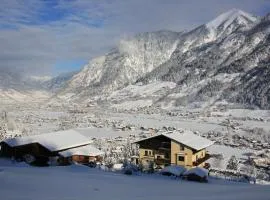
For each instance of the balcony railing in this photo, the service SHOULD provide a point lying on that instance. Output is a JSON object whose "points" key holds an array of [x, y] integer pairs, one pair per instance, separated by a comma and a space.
{"points": [[162, 161], [201, 160]]}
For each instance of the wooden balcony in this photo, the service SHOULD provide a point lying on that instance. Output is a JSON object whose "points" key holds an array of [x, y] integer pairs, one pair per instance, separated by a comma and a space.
{"points": [[162, 161], [201, 160]]}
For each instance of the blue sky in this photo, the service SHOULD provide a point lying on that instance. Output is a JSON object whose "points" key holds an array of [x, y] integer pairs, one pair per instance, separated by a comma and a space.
{"points": [[68, 65], [48, 37]]}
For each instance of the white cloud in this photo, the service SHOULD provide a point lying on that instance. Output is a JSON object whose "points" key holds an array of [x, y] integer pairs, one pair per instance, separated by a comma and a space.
{"points": [[91, 28]]}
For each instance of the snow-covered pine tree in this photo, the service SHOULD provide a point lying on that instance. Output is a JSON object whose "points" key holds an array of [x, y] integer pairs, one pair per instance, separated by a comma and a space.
{"points": [[2, 132], [232, 163]]}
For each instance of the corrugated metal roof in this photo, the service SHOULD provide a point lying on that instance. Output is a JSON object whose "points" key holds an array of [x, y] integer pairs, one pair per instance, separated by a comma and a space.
{"points": [[187, 138], [54, 141], [87, 150]]}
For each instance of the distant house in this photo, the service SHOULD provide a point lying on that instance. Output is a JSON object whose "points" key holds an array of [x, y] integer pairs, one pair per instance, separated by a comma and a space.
{"points": [[84, 154], [175, 148], [40, 148]]}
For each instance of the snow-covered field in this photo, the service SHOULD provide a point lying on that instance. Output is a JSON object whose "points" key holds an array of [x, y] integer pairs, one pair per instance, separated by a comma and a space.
{"points": [[20, 182], [107, 133], [227, 152], [107, 125]]}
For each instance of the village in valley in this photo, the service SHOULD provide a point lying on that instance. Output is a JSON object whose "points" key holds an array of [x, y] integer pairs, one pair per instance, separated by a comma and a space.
{"points": [[192, 146]]}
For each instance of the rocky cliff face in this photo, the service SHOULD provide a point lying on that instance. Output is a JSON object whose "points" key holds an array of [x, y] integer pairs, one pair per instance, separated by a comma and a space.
{"points": [[132, 59]]}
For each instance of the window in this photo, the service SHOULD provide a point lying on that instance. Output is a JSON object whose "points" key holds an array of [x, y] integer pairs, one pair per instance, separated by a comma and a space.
{"points": [[182, 148], [166, 155], [146, 153], [150, 153], [181, 158]]}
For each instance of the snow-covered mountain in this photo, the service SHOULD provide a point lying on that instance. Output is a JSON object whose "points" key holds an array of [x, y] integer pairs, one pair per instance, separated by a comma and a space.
{"points": [[206, 65], [230, 21], [132, 59], [224, 60], [215, 70], [56, 83], [14, 87]]}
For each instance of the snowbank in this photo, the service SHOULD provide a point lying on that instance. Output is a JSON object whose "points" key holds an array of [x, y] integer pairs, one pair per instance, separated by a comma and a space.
{"points": [[174, 169], [201, 172], [77, 182]]}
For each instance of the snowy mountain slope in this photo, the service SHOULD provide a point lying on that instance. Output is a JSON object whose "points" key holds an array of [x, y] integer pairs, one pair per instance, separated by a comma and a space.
{"points": [[14, 87], [220, 27], [9, 79], [12, 95], [207, 43], [137, 56], [139, 96], [133, 58], [253, 88], [206, 64], [56, 83], [201, 68], [211, 63], [231, 21]]}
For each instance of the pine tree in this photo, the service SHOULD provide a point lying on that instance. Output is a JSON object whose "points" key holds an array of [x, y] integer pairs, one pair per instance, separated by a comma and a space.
{"points": [[232, 163]]}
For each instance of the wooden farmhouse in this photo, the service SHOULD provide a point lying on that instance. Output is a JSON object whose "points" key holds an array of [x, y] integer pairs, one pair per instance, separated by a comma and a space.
{"points": [[177, 148], [41, 149]]}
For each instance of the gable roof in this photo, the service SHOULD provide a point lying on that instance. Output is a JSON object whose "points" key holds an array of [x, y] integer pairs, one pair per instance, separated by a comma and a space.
{"points": [[87, 150], [187, 138], [54, 141]]}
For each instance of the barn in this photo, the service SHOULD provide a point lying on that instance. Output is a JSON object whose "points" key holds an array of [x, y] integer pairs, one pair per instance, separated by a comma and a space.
{"points": [[39, 149]]}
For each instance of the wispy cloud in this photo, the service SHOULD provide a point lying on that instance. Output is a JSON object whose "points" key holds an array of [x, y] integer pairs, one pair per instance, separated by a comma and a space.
{"points": [[35, 35]]}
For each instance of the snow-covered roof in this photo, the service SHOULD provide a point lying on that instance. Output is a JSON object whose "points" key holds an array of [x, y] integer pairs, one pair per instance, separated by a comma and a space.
{"points": [[174, 169], [87, 150], [201, 172], [187, 138], [54, 141]]}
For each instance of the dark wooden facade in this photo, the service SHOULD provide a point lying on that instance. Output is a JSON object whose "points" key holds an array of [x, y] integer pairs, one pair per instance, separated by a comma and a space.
{"points": [[40, 153], [158, 143], [161, 150]]}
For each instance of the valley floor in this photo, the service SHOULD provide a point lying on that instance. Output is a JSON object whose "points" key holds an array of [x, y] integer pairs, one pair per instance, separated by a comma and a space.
{"points": [[236, 132], [79, 182]]}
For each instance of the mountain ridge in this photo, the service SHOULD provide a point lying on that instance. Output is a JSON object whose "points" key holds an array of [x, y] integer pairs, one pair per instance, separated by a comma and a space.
{"points": [[209, 64]]}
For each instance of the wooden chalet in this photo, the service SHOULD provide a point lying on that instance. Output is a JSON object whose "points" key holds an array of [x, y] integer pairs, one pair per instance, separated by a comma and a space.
{"points": [[176, 148]]}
